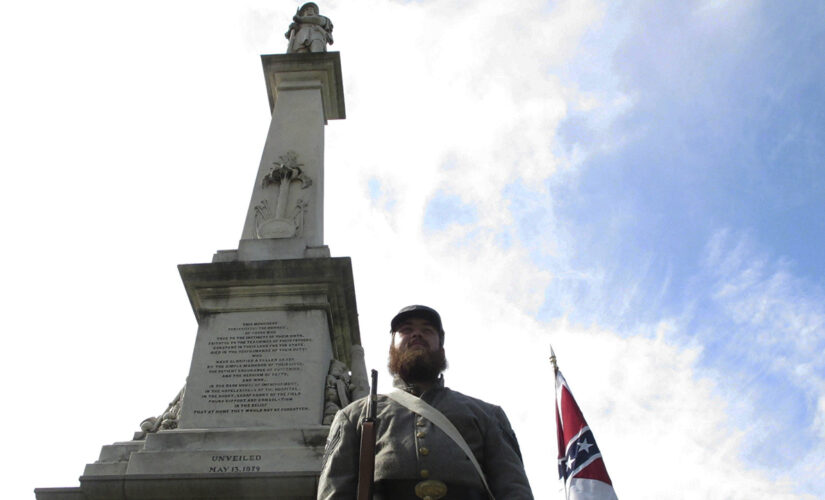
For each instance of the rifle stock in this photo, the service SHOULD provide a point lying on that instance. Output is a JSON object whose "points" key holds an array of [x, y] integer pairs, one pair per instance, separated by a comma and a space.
{"points": [[366, 457]]}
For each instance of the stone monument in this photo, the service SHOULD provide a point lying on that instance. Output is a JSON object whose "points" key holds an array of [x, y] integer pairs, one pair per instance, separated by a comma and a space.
{"points": [[278, 348]]}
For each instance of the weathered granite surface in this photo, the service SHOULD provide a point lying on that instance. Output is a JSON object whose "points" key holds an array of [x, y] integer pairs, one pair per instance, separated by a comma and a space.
{"points": [[285, 215]]}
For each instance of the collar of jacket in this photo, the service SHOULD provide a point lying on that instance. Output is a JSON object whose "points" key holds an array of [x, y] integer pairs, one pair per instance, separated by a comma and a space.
{"points": [[413, 389]]}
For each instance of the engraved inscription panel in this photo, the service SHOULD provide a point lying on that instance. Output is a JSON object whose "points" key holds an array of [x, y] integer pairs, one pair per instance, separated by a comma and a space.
{"points": [[235, 463], [258, 369]]}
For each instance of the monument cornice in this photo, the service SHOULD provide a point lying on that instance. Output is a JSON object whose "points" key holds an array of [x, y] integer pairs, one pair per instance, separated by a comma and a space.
{"points": [[295, 71], [286, 284]]}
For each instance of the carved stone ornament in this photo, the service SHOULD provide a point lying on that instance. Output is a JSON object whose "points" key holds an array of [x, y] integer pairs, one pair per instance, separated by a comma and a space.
{"points": [[276, 223], [338, 390], [167, 420]]}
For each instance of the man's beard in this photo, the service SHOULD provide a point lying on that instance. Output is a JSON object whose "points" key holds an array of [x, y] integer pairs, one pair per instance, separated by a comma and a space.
{"points": [[417, 365]]}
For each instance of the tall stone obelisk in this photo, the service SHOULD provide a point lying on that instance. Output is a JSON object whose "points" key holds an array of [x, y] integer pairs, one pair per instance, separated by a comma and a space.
{"points": [[278, 345]]}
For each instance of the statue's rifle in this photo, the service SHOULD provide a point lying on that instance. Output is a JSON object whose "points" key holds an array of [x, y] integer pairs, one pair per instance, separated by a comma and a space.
{"points": [[290, 34], [366, 460]]}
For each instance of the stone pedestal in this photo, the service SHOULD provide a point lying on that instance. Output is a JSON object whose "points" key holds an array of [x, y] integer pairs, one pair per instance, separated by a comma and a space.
{"points": [[277, 331], [226, 464], [251, 419], [267, 331]]}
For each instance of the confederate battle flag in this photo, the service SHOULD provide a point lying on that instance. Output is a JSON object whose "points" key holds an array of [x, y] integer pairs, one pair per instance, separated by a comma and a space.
{"points": [[580, 461]]}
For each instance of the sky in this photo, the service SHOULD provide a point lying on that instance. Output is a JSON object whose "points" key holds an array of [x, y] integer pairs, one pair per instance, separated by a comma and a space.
{"points": [[638, 183]]}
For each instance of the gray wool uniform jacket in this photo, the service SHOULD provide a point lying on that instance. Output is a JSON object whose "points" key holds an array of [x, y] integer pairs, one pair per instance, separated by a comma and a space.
{"points": [[410, 448]]}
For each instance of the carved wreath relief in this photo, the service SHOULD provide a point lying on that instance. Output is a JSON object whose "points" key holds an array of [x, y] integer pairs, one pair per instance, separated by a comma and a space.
{"points": [[276, 222]]}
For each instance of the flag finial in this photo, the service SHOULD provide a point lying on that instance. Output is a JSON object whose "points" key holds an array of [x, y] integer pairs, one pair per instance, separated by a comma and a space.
{"points": [[553, 359]]}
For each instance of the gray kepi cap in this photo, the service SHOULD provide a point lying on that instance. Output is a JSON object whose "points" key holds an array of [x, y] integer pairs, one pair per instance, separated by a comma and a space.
{"points": [[417, 311]]}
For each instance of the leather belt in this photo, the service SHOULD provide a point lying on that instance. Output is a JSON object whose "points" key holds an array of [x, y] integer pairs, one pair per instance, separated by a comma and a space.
{"points": [[411, 489]]}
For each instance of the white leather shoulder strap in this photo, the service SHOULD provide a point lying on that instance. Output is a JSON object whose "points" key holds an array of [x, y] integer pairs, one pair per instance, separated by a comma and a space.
{"points": [[421, 407]]}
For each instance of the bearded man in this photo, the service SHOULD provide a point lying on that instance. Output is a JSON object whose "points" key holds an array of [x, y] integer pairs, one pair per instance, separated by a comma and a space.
{"points": [[418, 455]]}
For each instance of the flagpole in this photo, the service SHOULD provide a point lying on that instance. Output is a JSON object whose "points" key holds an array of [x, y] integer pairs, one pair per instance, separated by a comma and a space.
{"points": [[558, 423]]}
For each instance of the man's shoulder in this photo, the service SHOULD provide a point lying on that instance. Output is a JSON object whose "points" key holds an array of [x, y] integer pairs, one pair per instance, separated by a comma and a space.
{"points": [[358, 408], [473, 402], [452, 393], [355, 407]]}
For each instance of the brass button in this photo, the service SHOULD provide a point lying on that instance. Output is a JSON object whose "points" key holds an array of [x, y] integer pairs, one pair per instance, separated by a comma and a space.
{"points": [[425, 473], [428, 497], [419, 434], [424, 450], [420, 422]]}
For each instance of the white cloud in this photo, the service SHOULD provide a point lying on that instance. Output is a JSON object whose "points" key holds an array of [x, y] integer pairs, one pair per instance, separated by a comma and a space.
{"points": [[762, 295], [776, 325], [138, 153]]}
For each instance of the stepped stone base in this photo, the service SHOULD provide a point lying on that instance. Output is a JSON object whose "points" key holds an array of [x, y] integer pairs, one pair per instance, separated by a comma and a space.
{"points": [[263, 486], [204, 464]]}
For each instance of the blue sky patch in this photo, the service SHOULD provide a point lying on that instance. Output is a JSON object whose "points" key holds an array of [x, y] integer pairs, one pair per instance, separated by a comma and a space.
{"points": [[445, 209]]}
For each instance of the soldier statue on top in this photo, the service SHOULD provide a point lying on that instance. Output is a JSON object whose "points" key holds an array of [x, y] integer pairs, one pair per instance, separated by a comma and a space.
{"points": [[309, 31]]}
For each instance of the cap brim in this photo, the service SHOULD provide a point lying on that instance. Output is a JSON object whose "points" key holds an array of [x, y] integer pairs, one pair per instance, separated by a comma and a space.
{"points": [[419, 313]]}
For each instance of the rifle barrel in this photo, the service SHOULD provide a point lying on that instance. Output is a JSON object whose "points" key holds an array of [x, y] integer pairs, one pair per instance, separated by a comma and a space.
{"points": [[366, 459], [373, 396]]}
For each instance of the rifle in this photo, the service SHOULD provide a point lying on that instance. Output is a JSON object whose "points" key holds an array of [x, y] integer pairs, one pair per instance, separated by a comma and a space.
{"points": [[366, 459]]}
